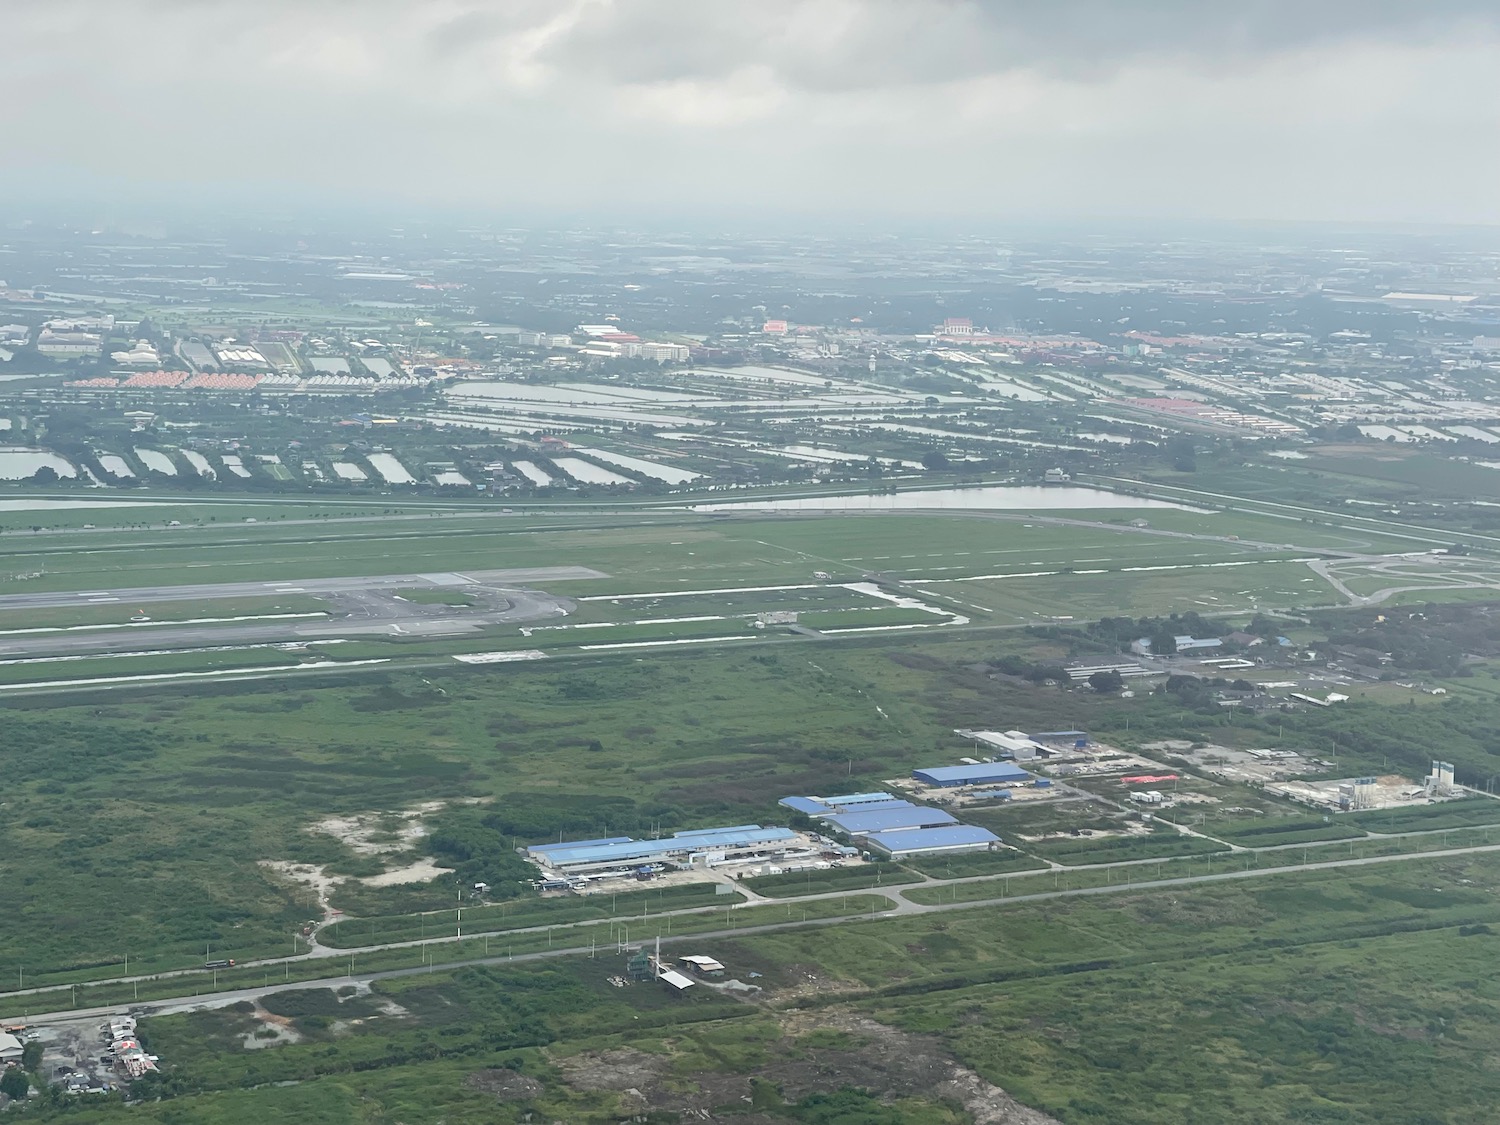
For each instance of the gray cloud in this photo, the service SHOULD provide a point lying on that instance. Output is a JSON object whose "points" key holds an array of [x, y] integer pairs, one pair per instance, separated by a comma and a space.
{"points": [[1261, 108], [833, 44]]}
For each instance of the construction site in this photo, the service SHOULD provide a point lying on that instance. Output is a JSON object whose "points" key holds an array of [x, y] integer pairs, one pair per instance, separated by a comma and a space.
{"points": [[1361, 794], [1248, 767]]}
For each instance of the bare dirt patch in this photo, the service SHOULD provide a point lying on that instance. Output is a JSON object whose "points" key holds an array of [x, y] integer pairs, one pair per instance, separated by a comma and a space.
{"points": [[379, 833], [422, 871], [870, 1056], [504, 1085], [273, 1031], [307, 875], [372, 835]]}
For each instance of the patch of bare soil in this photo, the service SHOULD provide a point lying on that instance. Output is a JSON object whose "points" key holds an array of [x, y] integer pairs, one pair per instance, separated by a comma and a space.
{"points": [[810, 980], [379, 833], [504, 1085], [897, 1064], [891, 1063], [305, 874]]}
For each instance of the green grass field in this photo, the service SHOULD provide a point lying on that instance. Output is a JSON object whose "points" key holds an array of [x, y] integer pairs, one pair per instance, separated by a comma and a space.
{"points": [[648, 550], [1304, 998], [208, 780], [141, 822]]}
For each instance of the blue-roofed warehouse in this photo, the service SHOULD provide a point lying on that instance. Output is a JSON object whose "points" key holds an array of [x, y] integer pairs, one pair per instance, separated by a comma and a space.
{"points": [[858, 799], [812, 806], [594, 857], [545, 849], [889, 820], [980, 773], [853, 802], [885, 801], [932, 841]]}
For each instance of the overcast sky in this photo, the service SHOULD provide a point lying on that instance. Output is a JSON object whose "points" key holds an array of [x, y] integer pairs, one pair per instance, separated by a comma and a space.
{"points": [[901, 109]]}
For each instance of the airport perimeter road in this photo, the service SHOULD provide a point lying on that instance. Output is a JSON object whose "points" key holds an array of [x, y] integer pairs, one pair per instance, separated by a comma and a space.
{"points": [[902, 907]]}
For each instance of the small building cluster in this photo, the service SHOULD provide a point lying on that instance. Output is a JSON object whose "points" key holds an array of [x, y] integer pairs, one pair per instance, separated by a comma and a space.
{"points": [[573, 864], [646, 965], [124, 1049]]}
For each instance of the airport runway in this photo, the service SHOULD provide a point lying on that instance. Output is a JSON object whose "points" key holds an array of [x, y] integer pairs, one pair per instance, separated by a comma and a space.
{"points": [[361, 607], [316, 586]]}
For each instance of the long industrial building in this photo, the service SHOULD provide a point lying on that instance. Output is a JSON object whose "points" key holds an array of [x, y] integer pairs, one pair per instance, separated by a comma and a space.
{"points": [[892, 818], [979, 773], [621, 854], [932, 841], [854, 802]]}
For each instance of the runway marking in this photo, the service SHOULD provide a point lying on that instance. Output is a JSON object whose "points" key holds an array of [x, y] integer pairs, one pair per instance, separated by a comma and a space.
{"points": [[500, 657], [251, 672]]}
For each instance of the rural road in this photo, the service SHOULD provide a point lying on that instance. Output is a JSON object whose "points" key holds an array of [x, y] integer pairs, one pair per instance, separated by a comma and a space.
{"points": [[901, 907]]}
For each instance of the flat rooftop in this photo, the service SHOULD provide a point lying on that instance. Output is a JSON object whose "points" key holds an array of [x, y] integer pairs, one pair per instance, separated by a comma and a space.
{"points": [[953, 837], [970, 775], [592, 853], [890, 820]]}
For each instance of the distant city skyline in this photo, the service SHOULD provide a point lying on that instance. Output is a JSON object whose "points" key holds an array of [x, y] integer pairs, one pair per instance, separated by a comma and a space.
{"points": [[845, 110]]}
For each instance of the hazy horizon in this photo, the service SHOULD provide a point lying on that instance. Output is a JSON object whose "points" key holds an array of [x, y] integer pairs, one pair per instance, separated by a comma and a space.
{"points": [[922, 113]]}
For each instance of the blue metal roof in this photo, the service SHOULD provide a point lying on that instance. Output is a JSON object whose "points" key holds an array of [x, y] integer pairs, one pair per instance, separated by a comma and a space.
{"points": [[546, 848], [867, 806], [853, 802], [857, 798], [932, 839], [716, 831], [812, 806], [888, 820], [624, 851], [979, 774]]}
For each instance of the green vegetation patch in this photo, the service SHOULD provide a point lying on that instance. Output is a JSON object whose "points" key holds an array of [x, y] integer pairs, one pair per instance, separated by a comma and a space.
{"points": [[794, 883], [1271, 832], [1429, 818], [966, 864]]}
